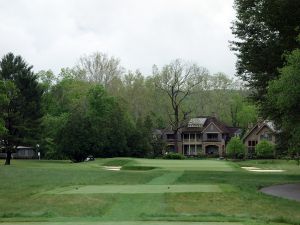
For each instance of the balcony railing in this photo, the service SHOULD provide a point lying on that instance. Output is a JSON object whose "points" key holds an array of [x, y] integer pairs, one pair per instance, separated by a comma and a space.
{"points": [[212, 140], [192, 140]]}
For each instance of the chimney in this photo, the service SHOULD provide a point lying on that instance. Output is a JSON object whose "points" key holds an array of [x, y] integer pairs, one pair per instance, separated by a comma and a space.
{"points": [[250, 125]]}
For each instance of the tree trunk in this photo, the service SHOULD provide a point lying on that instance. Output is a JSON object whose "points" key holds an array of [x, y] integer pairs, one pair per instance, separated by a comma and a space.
{"points": [[176, 141], [176, 112], [8, 157]]}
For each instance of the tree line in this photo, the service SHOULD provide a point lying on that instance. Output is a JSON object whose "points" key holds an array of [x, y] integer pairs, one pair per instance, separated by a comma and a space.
{"points": [[99, 108], [268, 49]]}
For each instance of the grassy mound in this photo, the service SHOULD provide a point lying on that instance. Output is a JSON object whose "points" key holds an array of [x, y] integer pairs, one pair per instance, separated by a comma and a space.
{"points": [[138, 168], [117, 162]]}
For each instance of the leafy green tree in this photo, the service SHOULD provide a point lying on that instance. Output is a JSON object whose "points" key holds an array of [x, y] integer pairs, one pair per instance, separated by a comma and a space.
{"points": [[139, 141], [22, 108], [52, 126], [109, 122], [246, 115], [61, 98], [76, 137], [47, 79], [235, 148], [264, 149], [264, 30], [283, 102]]}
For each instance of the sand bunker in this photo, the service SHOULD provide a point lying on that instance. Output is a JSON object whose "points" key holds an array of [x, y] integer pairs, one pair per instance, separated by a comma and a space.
{"points": [[112, 168], [259, 170]]}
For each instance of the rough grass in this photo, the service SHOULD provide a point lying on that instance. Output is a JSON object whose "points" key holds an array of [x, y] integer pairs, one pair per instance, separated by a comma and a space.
{"points": [[23, 184]]}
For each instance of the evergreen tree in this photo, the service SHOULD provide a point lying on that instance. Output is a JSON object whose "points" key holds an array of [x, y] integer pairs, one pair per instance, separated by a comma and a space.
{"points": [[264, 30], [21, 110]]}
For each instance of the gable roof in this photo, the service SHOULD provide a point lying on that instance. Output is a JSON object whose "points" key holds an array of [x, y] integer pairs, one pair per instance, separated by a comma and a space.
{"points": [[268, 124], [250, 131], [260, 125], [213, 124]]}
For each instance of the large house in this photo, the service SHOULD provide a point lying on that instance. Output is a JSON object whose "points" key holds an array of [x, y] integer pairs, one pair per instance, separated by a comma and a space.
{"points": [[263, 130], [202, 136]]}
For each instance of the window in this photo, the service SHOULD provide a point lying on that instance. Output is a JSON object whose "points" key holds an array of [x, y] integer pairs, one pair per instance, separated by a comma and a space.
{"points": [[192, 149], [186, 137], [192, 136], [212, 136], [252, 143], [186, 149], [198, 137], [266, 136], [170, 136]]}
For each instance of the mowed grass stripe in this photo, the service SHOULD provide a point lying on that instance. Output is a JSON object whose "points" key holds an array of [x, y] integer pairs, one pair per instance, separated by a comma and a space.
{"points": [[136, 189], [167, 178], [123, 223], [196, 165]]}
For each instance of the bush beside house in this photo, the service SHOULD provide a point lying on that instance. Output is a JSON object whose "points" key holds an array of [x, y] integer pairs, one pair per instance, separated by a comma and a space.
{"points": [[235, 148], [264, 149]]}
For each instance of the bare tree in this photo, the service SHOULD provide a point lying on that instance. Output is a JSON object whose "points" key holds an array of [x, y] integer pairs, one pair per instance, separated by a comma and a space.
{"points": [[178, 80], [100, 68]]}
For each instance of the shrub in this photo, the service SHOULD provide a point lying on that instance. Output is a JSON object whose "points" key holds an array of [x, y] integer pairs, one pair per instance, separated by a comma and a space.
{"points": [[235, 148], [173, 156], [264, 149]]}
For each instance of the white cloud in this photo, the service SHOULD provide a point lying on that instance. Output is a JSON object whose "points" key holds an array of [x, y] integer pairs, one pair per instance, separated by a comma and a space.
{"points": [[51, 34]]}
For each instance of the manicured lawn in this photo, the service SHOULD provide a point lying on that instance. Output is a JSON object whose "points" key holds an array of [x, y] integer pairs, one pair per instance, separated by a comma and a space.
{"points": [[124, 223], [137, 189], [198, 165], [145, 191]]}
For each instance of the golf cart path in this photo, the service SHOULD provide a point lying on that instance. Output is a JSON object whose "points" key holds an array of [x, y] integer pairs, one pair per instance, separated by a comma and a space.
{"points": [[289, 191]]}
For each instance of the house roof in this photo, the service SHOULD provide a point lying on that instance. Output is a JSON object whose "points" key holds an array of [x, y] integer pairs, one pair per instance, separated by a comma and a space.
{"points": [[268, 124], [234, 130], [197, 122], [222, 126], [260, 125], [200, 123]]}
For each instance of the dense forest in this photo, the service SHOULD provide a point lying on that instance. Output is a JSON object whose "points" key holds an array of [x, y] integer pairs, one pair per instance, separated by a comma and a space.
{"points": [[99, 108]]}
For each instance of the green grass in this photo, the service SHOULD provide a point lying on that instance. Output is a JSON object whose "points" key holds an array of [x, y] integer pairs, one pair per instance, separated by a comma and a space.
{"points": [[125, 223], [198, 165], [218, 192], [137, 189]]}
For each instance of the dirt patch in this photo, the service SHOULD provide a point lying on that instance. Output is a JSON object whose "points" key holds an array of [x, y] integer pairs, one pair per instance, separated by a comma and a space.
{"points": [[289, 191]]}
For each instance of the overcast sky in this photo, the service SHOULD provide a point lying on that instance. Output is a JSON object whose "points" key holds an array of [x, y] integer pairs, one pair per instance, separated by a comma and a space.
{"points": [[51, 34]]}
